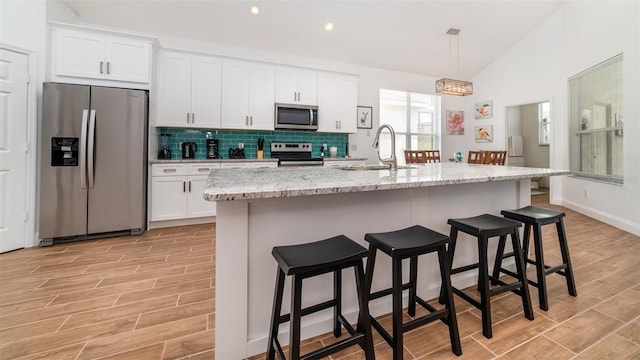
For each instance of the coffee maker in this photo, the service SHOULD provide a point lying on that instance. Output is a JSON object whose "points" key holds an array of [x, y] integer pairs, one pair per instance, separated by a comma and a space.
{"points": [[212, 147], [163, 145]]}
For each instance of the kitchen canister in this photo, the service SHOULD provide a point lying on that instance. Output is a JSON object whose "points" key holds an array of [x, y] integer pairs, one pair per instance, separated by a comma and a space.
{"points": [[333, 152]]}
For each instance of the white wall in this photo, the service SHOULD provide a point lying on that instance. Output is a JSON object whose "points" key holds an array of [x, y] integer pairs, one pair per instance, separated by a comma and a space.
{"points": [[578, 36]]}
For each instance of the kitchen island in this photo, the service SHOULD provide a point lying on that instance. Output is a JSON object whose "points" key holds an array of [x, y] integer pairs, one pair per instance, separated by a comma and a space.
{"points": [[262, 208]]}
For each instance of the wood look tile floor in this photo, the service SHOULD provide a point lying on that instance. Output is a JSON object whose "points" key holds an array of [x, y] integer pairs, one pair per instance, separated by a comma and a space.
{"points": [[152, 297]]}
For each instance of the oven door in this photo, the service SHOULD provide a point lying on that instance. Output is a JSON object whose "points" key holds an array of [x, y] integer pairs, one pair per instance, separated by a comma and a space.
{"points": [[296, 117]]}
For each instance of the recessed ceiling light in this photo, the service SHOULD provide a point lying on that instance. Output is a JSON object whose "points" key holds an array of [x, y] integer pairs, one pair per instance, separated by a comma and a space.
{"points": [[254, 10], [328, 26]]}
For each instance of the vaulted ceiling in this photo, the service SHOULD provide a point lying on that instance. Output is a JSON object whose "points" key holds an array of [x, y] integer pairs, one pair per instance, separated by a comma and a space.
{"points": [[407, 36]]}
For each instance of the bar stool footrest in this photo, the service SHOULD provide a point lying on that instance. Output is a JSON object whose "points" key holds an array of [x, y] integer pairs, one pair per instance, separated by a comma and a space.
{"points": [[385, 292], [465, 268], [309, 310], [434, 314], [333, 348]]}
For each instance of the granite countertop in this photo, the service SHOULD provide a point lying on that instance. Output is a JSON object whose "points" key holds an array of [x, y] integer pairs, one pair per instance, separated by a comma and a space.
{"points": [[263, 183]]}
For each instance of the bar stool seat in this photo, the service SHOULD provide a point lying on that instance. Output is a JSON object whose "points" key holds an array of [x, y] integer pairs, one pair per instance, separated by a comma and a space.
{"points": [[484, 227], [535, 217], [410, 243], [311, 259]]}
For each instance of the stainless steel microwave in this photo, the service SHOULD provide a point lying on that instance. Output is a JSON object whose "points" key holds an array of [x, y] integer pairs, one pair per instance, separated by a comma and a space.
{"points": [[296, 117]]}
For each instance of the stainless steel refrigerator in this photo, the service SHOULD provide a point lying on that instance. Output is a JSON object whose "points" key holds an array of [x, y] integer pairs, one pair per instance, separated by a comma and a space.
{"points": [[93, 162]]}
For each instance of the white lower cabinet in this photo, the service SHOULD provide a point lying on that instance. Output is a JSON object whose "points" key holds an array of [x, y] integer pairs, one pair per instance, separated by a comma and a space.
{"points": [[177, 191]]}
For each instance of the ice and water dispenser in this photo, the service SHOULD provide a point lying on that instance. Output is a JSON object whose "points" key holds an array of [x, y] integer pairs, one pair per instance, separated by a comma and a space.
{"points": [[64, 151]]}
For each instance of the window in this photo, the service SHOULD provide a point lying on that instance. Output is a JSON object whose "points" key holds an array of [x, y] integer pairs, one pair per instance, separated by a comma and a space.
{"points": [[415, 118], [543, 123], [595, 113]]}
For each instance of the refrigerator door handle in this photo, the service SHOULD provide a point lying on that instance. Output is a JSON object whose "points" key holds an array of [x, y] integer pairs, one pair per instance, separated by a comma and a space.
{"points": [[83, 149], [91, 147]]}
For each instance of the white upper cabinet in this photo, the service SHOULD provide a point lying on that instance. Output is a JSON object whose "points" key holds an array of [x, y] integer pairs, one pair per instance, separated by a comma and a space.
{"points": [[337, 103], [296, 86], [97, 55], [189, 90], [248, 95]]}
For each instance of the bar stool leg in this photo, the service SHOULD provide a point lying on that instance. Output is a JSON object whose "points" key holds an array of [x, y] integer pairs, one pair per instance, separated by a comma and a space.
{"points": [[521, 271], [296, 315], [364, 322], [540, 268], [413, 276], [497, 265], [451, 249], [397, 308], [445, 273], [337, 296], [275, 314], [566, 259], [483, 284], [525, 242]]}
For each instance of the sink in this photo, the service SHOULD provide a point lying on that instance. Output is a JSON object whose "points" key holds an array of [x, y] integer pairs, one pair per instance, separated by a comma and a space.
{"points": [[372, 167]]}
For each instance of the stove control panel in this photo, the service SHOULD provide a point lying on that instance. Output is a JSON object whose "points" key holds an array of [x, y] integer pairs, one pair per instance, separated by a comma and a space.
{"points": [[277, 147]]}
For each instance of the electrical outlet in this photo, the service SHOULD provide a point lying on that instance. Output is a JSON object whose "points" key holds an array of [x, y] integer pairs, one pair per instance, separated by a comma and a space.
{"points": [[586, 193]]}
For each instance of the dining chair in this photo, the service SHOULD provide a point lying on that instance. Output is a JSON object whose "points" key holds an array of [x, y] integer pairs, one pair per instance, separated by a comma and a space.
{"points": [[475, 157], [495, 157], [421, 156]]}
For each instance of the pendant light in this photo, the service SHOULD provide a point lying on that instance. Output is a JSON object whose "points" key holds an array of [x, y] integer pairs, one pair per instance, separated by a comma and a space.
{"points": [[452, 86]]}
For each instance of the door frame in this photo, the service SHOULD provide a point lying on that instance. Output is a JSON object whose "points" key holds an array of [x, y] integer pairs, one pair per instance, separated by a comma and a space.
{"points": [[31, 237], [552, 131]]}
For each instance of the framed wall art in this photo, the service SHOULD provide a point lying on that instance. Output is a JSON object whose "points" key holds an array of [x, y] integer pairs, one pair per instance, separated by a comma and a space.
{"points": [[484, 133], [455, 122], [484, 109], [365, 114]]}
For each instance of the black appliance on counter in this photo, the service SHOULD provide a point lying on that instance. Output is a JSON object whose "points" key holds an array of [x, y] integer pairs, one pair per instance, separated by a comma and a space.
{"points": [[188, 150], [294, 154], [236, 153], [212, 149], [163, 144]]}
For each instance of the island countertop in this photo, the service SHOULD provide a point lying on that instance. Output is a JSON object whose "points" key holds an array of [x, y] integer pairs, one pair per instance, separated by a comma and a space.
{"points": [[264, 183]]}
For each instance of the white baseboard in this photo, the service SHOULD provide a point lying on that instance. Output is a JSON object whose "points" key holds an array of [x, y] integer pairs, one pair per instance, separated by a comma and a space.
{"points": [[181, 222], [615, 221]]}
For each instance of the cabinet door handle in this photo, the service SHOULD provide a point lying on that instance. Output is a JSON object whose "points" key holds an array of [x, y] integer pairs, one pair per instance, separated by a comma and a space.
{"points": [[246, 120], [184, 186], [251, 117], [169, 170], [189, 185], [203, 169], [339, 124], [101, 64], [193, 118], [108, 67]]}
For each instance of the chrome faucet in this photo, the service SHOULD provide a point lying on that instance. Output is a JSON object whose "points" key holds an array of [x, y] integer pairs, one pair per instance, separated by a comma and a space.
{"points": [[392, 162]]}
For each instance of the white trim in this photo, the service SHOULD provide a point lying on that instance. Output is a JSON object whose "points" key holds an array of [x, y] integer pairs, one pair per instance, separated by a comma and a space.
{"points": [[618, 222], [32, 135]]}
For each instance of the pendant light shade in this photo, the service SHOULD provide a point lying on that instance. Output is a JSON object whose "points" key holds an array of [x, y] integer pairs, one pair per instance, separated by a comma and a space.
{"points": [[451, 86], [454, 87]]}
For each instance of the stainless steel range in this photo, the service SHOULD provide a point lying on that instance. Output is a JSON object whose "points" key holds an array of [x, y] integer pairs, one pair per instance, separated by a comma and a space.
{"points": [[294, 154]]}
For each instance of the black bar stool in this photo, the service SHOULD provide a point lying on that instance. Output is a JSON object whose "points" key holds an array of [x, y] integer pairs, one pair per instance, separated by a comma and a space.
{"points": [[534, 217], [484, 227], [410, 243], [312, 259]]}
